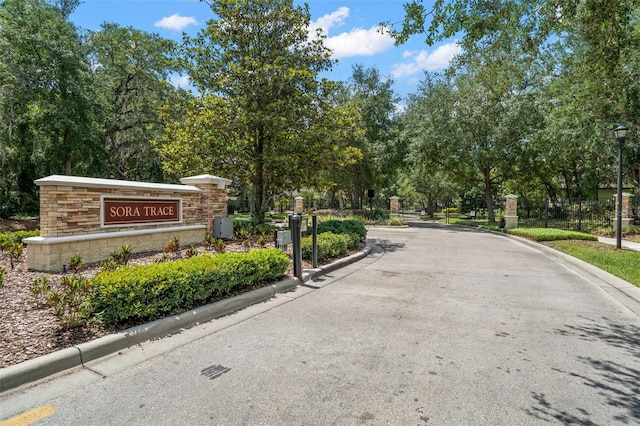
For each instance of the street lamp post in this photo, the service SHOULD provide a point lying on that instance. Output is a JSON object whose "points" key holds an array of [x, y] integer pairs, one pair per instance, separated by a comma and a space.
{"points": [[621, 133]]}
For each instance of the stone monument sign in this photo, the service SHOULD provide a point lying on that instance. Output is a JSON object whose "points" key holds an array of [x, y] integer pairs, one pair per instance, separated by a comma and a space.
{"points": [[93, 217]]}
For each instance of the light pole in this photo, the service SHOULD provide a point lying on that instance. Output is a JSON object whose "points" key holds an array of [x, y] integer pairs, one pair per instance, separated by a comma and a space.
{"points": [[621, 133]]}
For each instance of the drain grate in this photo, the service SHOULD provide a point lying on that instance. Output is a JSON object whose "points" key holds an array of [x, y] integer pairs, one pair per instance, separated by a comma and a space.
{"points": [[214, 371]]}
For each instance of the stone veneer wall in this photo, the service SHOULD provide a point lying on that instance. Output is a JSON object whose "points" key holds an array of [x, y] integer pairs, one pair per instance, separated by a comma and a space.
{"points": [[70, 209], [511, 211], [394, 205], [627, 210]]}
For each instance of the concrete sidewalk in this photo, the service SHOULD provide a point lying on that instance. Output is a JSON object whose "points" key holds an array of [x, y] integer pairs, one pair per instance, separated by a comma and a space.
{"points": [[625, 244]]}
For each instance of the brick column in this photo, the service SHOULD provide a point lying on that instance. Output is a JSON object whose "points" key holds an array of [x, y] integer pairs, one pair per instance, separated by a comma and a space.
{"points": [[394, 205], [214, 196], [627, 212], [299, 205], [511, 211]]}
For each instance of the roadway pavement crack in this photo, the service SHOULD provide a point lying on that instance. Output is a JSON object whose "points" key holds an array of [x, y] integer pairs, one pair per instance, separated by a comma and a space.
{"points": [[94, 371]]}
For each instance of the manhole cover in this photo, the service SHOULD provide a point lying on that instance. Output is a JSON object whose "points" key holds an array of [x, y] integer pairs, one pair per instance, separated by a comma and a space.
{"points": [[215, 371]]}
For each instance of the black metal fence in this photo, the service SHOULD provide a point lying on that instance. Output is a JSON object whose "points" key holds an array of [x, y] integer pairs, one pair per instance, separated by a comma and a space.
{"points": [[578, 215]]}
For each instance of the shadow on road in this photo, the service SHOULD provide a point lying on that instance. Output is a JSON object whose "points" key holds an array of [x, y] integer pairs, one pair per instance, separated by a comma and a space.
{"points": [[380, 245], [617, 384]]}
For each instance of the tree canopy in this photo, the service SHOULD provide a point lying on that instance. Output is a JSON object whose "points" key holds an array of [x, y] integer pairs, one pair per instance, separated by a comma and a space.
{"points": [[539, 85], [263, 115], [527, 107]]}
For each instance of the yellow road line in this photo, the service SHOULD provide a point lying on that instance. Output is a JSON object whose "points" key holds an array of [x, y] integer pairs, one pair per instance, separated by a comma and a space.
{"points": [[30, 416]]}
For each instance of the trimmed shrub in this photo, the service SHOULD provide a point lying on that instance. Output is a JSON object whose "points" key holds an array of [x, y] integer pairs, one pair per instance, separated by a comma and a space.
{"points": [[396, 221], [16, 237], [348, 226], [329, 245], [551, 234], [152, 291]]}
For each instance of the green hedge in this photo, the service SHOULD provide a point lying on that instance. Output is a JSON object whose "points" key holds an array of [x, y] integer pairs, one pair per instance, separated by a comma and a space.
{"points": [[15, 237], [329, 245], [551, 234], [348, 226], [151, 291]]}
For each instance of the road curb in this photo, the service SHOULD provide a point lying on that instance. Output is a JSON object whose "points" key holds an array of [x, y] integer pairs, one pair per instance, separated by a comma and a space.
{"points": [[56, 362]]}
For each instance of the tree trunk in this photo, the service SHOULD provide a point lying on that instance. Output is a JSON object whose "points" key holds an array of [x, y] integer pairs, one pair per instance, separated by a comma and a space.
{"points": [[488, 195], [67, 166], [259, 194], [355, 197]]}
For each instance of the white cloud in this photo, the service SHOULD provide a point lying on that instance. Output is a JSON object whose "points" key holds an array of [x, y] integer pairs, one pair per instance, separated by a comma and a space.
{"points": [[181, 81], [356, 42], [425, 61], [326, 22], [176, 22], [359, 42]]}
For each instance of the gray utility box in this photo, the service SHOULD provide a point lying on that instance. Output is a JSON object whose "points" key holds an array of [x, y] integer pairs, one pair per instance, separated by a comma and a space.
{"points": [[223, 227], [283, 238]]}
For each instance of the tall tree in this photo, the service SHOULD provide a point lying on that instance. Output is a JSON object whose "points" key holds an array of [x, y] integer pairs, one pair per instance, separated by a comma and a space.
{"points": [[472, 124], [264, 116], [593, 45], [47, 116], [131, 70], [373, 98]]}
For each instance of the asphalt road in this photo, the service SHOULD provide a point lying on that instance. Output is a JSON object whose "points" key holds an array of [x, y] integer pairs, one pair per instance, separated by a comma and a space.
{"points": [[439, 326]]}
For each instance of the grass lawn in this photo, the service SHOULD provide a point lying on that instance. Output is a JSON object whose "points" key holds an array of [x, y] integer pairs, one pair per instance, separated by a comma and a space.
{"points": [[624, 264]]}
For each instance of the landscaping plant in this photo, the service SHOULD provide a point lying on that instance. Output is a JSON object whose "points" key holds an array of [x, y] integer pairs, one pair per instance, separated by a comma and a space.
{"points": [[108, 264], [347, 226], [329, 245], [209, 240], [14, 237], [551, 234], [219, 245], [71, 304], [146, 292], [76, 263], [14, 250], [122, 256], [39, 289], [191, 251]]}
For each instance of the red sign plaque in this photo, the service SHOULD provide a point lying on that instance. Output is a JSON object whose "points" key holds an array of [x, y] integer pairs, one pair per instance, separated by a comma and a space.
{"points": [[130, 211]]}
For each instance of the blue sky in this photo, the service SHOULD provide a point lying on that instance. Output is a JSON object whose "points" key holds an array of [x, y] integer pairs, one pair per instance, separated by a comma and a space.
{"points": [[351, 26]]}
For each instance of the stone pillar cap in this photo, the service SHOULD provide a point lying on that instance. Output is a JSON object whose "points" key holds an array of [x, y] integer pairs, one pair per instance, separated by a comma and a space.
{"points": [[206, 179], [64, 180], [395, 197], [511, 196]]}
